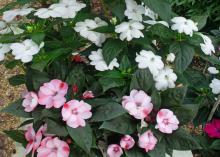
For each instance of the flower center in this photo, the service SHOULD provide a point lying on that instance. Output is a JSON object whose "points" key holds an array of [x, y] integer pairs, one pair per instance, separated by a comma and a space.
{"points": [[74, 111], [116, 149], [166, 121]]}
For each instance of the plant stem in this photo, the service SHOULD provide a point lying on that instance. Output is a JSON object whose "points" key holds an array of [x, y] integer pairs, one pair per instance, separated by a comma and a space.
{"points": [[214, 108]]}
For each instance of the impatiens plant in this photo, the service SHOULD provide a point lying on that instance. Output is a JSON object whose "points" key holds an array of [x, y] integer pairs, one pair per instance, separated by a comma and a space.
{"points": [[123, 81]]}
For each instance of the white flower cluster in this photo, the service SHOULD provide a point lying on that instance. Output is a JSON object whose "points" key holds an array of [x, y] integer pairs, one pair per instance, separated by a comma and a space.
{"points": [[6, 28], [86, 28], [23, 51], [64, 9], [207, 47], [163, 75]]}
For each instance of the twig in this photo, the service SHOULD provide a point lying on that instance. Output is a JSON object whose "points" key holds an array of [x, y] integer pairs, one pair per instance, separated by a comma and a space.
{"points": [[214, 108]]}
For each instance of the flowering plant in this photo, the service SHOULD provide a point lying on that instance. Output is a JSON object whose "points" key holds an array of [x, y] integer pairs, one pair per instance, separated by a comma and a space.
{"points": [[118, 83]]}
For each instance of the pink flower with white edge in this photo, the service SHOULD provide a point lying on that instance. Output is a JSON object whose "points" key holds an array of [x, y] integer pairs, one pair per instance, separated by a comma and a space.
{"points": [[33, 138], [138, 104], [53, 147], [52, 94], [88, 95], [127, 142], [167, 122], [30, 101], [75, 112], [147, 141], [114, 150]]}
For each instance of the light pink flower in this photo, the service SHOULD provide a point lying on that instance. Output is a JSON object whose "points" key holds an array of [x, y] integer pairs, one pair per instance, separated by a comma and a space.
{"points": [[127, 142], [52, 94], [114, 150], [138, 104], [167, 122], [33, 139], [147, 141], [53, 147], [88, 95], [30, 101], [75, 112]]}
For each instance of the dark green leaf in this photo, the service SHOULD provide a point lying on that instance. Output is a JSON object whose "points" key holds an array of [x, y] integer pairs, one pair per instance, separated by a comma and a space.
{"points": [[125, 63], [142, 80], [161, 7], [159, 150], [108, 83], [181, 140], [17, 80], [134, 152], [55, 128], [201, 20], [123, 125], [17, 135], [184, 55], [38, 37], [156, 99], [105, 29], [107, 112], [16, 109], [82, 137], [215, 145], [111, 49]]}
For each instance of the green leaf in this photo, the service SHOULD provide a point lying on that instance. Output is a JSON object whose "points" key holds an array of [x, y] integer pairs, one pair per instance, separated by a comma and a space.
{"points": [[111, 49], [164, 32], [134, 152], [76, 77], [215, 145], [35, 79], [55, 128], [16, 135], [108, 83], [99, 101], [174, 97], [82, 137], [161, 7], [201, 20], [184, 55], [142, 80], [38, 37], [117, 7], [41, 60], [186, 113], [156, 99], [105, 29], [107, 112], [123, 125], [181, 140], [159, 150], [16, 108], [125, 63], [212, 59], [17, 80], [41, 113]]}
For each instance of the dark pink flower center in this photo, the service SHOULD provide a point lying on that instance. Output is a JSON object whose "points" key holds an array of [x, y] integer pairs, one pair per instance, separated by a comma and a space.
{"points": [[166, 121], [116, 149], [75, 111]]}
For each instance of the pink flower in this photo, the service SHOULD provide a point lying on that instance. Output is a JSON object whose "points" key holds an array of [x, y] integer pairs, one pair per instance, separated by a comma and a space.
{"points": [[166, 121], [213, 128], [30, 101], [127, 142], [114, 150], [53, 147], [75, 89], [75, 112], [33, 139], [147, 141], [138, 104], [88, 95], [52, 94]]}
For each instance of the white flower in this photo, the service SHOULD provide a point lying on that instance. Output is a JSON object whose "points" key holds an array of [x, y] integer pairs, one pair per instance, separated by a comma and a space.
{"points": [[64, 9], [86, 27], [165, 79], [9, 16], [8, 28], [171, 57], [215, 85], [148, 12], [134, 11], [97, 60], [4, 48], [153, 22], [213, 70], [130, 30], [25, 50], [147, 59], [207, 47], [183, 25]]}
